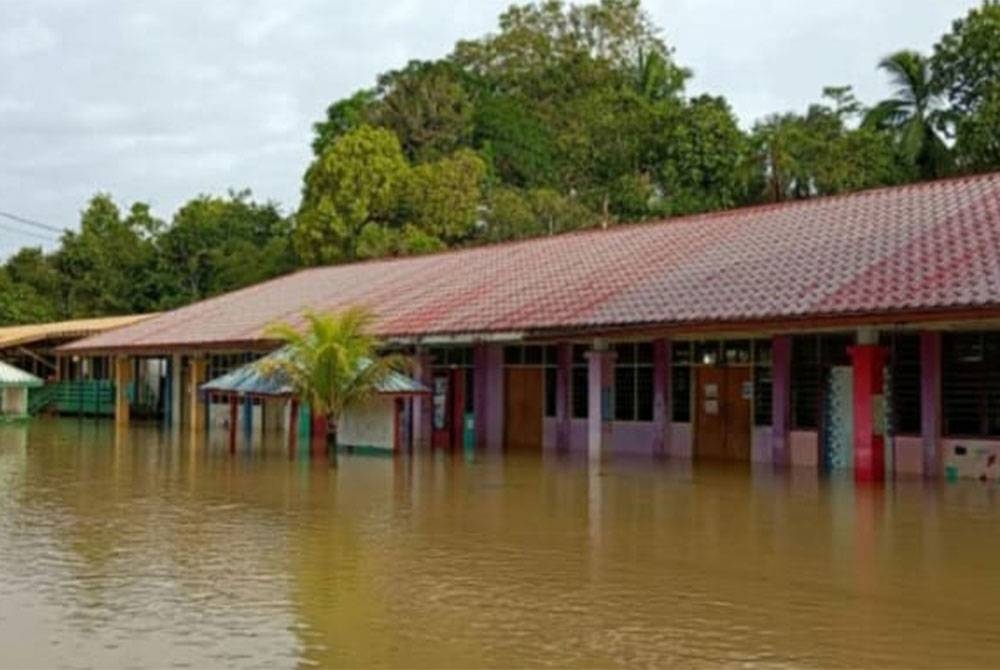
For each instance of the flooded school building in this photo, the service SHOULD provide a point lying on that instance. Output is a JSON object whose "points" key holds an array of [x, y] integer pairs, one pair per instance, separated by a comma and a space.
{"points": [[857, 332]]}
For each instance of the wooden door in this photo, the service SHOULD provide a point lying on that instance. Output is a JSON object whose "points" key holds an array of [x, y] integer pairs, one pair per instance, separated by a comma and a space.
{"points": [[722, 414], [524, 399], [737, 413], [710, 422]]}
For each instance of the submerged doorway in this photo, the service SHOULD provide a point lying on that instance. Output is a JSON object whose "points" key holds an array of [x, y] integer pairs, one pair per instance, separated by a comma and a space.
{"points": [[723, 412], [525, 394]]}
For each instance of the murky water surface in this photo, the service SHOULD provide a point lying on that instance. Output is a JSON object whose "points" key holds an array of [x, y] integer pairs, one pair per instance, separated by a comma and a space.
{"points": [[142, 549]]}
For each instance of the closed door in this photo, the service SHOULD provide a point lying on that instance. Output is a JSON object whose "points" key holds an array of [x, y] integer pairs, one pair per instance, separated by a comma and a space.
{"points": [[524, 408], [722, 415]]}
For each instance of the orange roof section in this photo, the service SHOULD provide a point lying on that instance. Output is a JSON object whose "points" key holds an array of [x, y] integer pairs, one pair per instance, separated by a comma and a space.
{"points": [[11, 336], [923, 248]]}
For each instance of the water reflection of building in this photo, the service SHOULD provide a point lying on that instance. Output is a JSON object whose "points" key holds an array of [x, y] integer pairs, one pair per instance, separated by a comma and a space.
{"points": [[860, 332]]}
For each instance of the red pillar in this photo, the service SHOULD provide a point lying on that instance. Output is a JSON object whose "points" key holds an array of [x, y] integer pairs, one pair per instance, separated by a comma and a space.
{"points": [[457, 408], [868, 361], [293, 428], [234, 410], [320, 427]]}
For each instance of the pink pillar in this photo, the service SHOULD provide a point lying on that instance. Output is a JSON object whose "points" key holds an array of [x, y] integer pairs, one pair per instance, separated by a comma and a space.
{"points": [[930, 402], [601, 415], [868, 361], [781, 398], [488, 396], [564, 361], [661, 397], [422, 404]]}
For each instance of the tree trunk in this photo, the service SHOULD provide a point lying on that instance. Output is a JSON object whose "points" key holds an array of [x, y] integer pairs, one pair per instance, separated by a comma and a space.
{"points": [[331, 440]]}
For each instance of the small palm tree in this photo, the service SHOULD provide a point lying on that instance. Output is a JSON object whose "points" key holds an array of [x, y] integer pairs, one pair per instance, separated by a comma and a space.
{"points": [[333, 363], [914, 114]]}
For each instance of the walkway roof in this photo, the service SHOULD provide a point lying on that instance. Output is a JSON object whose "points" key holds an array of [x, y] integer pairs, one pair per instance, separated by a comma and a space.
{"points": [[11, 377], [11, 336], [253, 379], [930, 248]]}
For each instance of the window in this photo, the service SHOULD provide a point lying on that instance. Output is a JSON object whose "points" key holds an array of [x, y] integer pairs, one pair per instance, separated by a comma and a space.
{"points": [[971, 384], [531, 355], [680, 382], [634, 381], [451, 357], [904, 382], [812, 356], [580, 382], [762, 384]]}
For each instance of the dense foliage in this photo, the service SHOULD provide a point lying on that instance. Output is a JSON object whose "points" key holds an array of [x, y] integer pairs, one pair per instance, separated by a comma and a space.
{"points": [[565, 117]]}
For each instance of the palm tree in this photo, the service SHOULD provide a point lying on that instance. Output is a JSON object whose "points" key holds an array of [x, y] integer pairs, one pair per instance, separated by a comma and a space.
{"points": [[914, 114], [333, 363]]}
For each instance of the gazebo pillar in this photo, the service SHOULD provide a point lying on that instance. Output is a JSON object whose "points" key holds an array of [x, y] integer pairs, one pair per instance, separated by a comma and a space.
{"points": [[123, 368]]}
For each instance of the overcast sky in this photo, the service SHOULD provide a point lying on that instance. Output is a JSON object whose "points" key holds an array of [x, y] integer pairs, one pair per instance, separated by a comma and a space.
{"points": [[162, 101]]}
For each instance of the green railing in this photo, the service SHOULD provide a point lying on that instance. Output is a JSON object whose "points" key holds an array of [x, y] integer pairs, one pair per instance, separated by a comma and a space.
{"points": [[90, 397], [41, 398]]}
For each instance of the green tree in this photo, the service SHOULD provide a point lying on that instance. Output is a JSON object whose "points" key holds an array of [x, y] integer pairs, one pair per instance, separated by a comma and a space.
{"points": [[966, 60], [701, 152], [427, 106], [353, 184], [332, 363], [966, 65], [977, 145], [513, 214], [218, 244], [342, 117], [442, 198], [21, 303], [802, 156], [914, 114], [105, 267]]}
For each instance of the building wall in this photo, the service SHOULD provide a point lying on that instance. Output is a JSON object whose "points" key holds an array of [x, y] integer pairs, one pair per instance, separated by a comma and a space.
{"points": [[761, 444], [14, 402], [369, 426], [975, 458], [908, 455], [218, 417], [804, 448]]}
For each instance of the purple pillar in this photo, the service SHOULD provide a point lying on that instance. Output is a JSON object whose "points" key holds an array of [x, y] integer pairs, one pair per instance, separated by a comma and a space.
{"points": [[601, 415], [661, 397], [781, 397], [487, 396], [422, 404], [564, 360], [930, 402]]}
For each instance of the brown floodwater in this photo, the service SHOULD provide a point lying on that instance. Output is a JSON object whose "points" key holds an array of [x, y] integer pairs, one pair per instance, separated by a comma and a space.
{"points": [[140, 548]]}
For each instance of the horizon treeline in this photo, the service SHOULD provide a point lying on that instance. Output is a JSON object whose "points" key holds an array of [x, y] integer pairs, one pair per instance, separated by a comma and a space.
{"points": [[565, 117]]}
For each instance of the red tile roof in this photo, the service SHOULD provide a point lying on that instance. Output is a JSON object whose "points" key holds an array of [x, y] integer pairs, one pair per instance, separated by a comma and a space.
{"points": [[917, 248]]}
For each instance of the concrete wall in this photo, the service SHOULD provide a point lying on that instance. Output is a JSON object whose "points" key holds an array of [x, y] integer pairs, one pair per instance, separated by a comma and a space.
{"points": [[762, 445], [218, 417], [369, 426], [977, 459], [804, 448], [908, 455], [14, 402]]}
